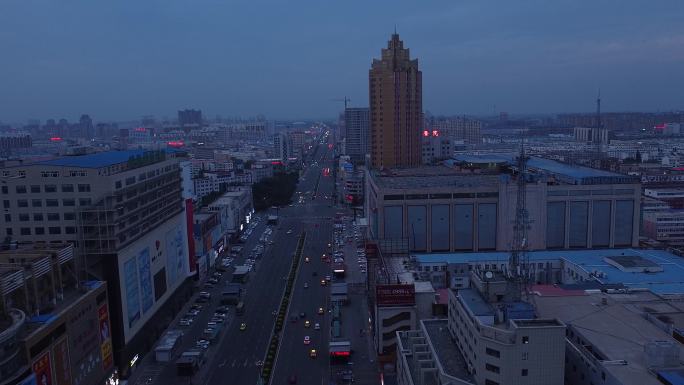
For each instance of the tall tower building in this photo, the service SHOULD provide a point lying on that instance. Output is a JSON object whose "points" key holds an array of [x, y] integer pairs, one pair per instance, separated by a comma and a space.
{"points": [[396, 106]]}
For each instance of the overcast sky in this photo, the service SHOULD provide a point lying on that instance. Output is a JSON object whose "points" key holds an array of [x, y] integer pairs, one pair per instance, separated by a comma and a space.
{"points": [[118, 60]]}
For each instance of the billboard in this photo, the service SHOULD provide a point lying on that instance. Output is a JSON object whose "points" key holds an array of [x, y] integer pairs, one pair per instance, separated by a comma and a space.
{"points": [[105, 338], [145, 279], [62, 363], [176, 258], [151, 268], [132, 295], [42, 369], [395, 295]]}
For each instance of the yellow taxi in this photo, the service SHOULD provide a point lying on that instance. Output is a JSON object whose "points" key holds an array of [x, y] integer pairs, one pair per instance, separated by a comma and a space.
{"points": [[323, 282], [243, 326], [320, 310], [312, 353], [307, 323]]}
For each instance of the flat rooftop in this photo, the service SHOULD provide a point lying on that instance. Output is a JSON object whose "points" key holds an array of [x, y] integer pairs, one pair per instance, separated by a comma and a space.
{"points": [[668, 281], [97, 160], [448, 355], [431, 177], [615, 331], [475, 303], [547, 166]]}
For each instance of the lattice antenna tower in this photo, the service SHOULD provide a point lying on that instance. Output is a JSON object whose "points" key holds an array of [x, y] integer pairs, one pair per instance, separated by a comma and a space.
{"points": [[518, 263]]}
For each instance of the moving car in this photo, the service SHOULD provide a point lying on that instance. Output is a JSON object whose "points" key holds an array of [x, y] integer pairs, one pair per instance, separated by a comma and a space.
{"points": [[307, 323], [320, 310], [307, 340], [243, 326], [306, 285], [317, 326], [323, 283], [312, 353]]}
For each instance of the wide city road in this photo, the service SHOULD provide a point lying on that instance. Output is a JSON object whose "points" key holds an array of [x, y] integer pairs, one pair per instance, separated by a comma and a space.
{"points": [[308, 295], [239, 352]]}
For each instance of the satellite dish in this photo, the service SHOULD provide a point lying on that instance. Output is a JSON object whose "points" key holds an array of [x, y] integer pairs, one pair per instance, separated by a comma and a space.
{"points": [[489, 275]]}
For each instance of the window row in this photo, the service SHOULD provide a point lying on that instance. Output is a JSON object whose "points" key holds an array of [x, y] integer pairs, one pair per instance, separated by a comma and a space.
{"points": [[48, 188], [25, 217], [52, 230], [70, 202]]}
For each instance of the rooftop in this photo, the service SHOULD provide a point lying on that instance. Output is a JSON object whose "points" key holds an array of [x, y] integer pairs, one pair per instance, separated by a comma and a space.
{"points": [[612, 331], [431, 177], [447, 353], [475, 303], [97, 160], [668, 281], [569, 173]]}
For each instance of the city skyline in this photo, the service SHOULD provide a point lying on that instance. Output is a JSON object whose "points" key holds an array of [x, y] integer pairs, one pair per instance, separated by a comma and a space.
{"points": [[246, 59]]}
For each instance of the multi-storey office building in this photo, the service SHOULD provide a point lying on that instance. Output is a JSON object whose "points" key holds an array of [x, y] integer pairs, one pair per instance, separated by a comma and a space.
{"points": [[123, 212], [441, 209]]}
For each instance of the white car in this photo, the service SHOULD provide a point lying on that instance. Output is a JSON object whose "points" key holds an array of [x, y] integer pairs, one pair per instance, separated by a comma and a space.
{"points": [[307, 340], [317, 326]]}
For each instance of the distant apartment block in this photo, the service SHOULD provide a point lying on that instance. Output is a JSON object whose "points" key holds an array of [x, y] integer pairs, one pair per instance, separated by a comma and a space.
{"points": [[456, 128], [190, 117], [11, 141], [357, 130]]}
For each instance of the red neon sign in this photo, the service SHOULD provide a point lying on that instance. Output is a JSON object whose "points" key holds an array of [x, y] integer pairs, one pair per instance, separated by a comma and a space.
{"points": [[340, 354], [426, 133], [276, 163], [141, 129], [435, 133], [176, 143], [55, 139]]}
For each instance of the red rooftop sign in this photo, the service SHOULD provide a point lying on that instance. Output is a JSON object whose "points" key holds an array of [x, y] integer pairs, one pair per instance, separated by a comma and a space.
{"points": [[395, 295]]}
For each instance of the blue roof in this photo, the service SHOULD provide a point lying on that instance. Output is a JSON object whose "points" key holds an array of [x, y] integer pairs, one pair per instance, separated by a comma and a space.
{"points": [[548, 165], [673, 377], [477, 305], [669, 281], [97, 160]]}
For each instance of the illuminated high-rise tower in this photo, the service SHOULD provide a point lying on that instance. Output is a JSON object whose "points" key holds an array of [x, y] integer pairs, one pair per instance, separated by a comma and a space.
{"points": [[396, 106]]}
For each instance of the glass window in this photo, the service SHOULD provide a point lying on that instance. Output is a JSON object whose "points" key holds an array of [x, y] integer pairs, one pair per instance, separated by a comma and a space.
{"points": [[67, 188], [117, 184], [22, 203], [21, 189], [23, 217], [84, 201], [5, 190], [39, 230], [83, 187], [35, 188], [6, 204], [70, 230], [8, 217], [38, 216], [37, 202], [50, 188], [8, 231], [53, 216], [69, 216], [25, 231], [55, 230], [68, 202], [51, 202]]}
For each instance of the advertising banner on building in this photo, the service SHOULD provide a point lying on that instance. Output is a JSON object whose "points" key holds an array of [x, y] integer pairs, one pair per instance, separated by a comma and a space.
{"points": [[175, 257], [105, 338], [145, 279], [395, 295], [132, 294], [60, 352], [43, 370]]}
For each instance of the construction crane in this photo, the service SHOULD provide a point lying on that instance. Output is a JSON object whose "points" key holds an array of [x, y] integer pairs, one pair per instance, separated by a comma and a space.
{"points": [[346, 101]]}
